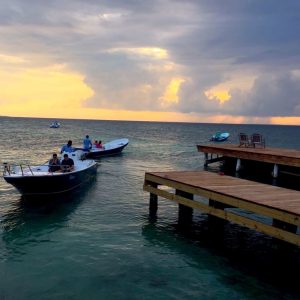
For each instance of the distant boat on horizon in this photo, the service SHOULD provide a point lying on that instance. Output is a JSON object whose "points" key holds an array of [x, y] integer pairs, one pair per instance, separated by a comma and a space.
{"points": [[55, 124]]}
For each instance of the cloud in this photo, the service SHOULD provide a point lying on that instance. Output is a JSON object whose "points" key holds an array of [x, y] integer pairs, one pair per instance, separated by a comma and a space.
{"points": [[135, 53], [163, 55], [41, 89], [12, 59], [171, 93], [271, 95]]}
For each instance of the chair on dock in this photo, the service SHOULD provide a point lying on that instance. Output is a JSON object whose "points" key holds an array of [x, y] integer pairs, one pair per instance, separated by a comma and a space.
{"points": [[244, 140], [257, 140]]}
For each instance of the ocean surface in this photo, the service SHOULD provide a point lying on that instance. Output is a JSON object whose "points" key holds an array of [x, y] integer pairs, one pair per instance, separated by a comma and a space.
{"points": [[100, 243]]}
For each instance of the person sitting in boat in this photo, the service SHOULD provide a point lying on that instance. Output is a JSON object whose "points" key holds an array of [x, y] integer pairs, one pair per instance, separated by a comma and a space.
{"points": [[95, 144], [67, 164], [87, 143], [54, 163], [67, 148], [99, 145]]}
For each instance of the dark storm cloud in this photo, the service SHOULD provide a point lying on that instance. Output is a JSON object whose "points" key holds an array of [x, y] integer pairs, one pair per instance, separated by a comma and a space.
{"points": [[209, 42], [276, 94]]}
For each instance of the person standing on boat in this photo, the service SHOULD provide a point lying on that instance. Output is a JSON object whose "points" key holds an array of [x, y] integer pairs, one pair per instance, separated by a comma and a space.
{"points": [[87, 143], [67, 148], [54, 163], [67, 164]]}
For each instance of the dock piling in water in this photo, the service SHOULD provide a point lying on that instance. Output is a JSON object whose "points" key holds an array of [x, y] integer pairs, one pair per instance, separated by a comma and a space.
{"points": [[185, 213], [153, 201]]}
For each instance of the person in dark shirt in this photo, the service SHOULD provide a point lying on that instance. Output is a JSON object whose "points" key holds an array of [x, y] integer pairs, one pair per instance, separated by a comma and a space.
{"points": [[67, 164], [54, 163]]}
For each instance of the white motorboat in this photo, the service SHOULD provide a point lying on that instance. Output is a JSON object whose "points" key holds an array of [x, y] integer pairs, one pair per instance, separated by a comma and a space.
{"points": [[111, 148], [37, 180]]}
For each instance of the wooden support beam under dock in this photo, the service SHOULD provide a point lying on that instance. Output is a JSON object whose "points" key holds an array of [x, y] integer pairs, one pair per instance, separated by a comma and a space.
{"points": [[280, 205]]}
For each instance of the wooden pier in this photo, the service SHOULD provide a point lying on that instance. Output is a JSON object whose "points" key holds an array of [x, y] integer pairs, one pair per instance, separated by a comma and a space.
{"points": [[224, 194], [276, 156]]}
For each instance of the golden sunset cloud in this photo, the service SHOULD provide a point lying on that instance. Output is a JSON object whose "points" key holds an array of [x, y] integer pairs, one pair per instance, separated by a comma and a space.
{"points": [[41, 91], [171, 92]]}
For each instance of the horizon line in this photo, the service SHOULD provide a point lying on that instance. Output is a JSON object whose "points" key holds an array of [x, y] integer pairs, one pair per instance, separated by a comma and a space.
{"points": [[146, 121]]}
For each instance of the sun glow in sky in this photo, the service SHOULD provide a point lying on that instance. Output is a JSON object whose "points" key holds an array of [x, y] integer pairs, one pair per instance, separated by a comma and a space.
{"points": [[41, 92], [220, 95], [153, 52], [171, 92], [97, 63]]}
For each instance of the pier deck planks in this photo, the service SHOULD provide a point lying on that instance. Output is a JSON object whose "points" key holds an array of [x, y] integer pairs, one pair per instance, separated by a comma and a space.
{"points": [[262, 199], [288, 157]]}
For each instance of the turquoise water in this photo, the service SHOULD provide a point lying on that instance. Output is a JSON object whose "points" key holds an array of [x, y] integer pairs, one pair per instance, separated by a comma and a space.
{"points": [[100, 243]]}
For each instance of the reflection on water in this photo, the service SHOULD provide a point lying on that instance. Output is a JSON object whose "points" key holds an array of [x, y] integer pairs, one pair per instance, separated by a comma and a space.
{"points": [[30, 219], [241, 251]]}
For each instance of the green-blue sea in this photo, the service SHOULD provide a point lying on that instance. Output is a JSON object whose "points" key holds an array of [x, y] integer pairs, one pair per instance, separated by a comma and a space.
{"points": [[99, 241]]}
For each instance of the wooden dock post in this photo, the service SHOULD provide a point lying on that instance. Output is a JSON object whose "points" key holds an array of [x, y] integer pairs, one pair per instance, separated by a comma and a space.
{"points": [[216, 221], [185, 213], [238, 165], [206, 160], [211, 159], [153, 201], [275, 171]]}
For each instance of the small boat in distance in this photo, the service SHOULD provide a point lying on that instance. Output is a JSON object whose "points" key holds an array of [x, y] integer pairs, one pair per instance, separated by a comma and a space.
{"points": [[37, 180], [220, 136], [55, 124], [111, 148]]}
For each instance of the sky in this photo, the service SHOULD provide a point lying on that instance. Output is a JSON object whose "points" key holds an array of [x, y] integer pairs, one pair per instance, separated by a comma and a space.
{"points": [[233, 61]]}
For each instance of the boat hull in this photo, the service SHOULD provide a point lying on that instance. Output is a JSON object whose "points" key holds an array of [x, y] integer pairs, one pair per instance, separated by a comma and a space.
{"points": [[220, 137], [51, 184], [108, 152]]}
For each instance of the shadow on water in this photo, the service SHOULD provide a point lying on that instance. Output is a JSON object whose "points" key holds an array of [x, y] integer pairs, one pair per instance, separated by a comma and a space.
{"points": [[31, 219], [108, 157], [273, 263]]}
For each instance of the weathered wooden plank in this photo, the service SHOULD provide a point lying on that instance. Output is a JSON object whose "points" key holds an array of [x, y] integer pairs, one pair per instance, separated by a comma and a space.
{"points": [[239, 188]]}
